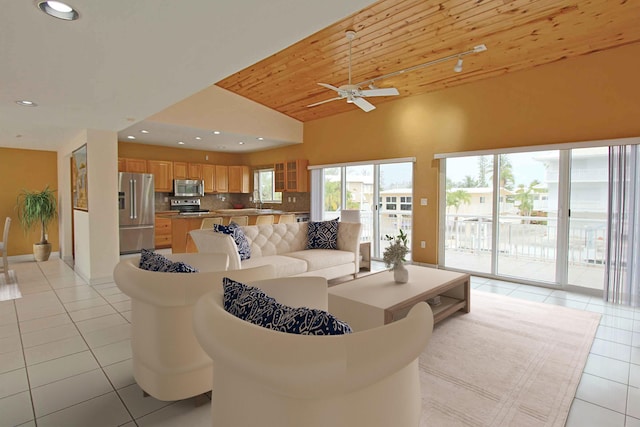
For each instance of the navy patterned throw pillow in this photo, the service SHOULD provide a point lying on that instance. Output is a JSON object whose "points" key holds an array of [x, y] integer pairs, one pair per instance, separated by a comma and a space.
{"points": [[152, 261], [323, 235], [234, 230], [253, 305]]}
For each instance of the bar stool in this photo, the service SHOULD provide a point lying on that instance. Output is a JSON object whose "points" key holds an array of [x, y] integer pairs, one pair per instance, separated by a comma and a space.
{"points": [[209, 222], [287, 219], [264, 219], [240, 220]]}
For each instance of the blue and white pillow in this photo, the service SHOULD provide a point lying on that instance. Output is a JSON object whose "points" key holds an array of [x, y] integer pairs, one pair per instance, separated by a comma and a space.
{"points": [[234, 230], [253, 305], [152, 261], [323, 235]]}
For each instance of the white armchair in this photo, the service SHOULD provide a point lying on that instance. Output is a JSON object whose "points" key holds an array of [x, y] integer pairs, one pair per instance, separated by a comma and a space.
{"points": [[168, 362], [269, 378]]}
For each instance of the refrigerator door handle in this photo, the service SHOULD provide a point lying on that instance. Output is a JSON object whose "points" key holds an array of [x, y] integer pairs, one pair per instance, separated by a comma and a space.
{"points": [[132, 199]]}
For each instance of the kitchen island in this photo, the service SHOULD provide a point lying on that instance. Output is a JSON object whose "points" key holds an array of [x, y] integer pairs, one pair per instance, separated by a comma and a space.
{"points": [[181, 224]]}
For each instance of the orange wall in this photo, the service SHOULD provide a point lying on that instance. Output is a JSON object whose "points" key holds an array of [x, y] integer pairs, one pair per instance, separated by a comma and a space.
{"points": [[29, 170], [585, 98]]}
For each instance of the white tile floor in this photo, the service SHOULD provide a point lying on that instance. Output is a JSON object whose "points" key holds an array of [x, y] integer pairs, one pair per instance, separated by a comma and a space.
{"points": [[65, 357]]}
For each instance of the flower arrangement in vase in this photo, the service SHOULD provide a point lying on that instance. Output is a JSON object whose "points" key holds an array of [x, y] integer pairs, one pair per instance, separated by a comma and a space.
{"points": [[394, 256]]}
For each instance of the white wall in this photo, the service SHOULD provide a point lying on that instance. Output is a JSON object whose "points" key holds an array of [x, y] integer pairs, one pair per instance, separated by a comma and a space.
{"points": [[96, 231]]}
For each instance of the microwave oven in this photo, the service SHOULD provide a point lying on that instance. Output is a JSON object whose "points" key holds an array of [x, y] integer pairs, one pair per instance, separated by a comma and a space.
{"points": [[188, 187]]}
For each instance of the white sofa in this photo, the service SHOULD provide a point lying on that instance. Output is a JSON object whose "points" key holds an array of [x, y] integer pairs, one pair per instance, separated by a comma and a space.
{"points": [[283, 246], [269, 378], [168, 362]]}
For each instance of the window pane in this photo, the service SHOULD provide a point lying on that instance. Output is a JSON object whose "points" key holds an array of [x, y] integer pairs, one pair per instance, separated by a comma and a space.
{"points": [[468, 238], [359, 195], [332, 192], [396, 181]]}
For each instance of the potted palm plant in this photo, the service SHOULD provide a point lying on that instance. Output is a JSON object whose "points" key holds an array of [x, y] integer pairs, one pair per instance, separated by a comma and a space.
{"points": [[38, 208]]}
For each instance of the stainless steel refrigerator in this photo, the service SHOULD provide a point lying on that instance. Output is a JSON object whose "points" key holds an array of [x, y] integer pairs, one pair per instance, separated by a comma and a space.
{"points": [[137, 211]]}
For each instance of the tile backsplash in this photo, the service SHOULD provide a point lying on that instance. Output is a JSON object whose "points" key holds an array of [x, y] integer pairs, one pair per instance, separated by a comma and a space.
{"points": [[226, 201]]}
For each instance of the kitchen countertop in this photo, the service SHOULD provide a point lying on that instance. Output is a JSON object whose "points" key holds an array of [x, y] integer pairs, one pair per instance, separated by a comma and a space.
{"points": [[228, 213]]}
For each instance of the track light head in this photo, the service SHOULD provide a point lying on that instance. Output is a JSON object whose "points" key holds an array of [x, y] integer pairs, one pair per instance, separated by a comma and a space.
{"points": [[458, 66]]}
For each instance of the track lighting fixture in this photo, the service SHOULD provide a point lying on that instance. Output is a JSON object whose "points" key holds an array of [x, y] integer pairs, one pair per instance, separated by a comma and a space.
{"points": [[458, 66]]}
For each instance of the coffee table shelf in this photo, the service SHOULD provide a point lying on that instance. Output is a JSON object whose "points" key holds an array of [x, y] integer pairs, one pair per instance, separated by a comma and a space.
{"points": [[376, 299]]}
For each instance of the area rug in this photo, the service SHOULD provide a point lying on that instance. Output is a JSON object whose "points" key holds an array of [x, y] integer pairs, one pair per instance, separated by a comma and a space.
{"points": [[509, 362]]}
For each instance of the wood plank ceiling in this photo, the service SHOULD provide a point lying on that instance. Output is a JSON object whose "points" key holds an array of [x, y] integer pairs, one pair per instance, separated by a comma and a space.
{"points": [[398, 34]]}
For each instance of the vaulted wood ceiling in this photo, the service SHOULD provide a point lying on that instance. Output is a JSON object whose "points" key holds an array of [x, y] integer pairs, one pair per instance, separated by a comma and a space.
{"points": [[398, 34]]}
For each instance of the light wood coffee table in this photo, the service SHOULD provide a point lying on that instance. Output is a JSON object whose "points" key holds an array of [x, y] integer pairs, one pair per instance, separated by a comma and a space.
{"points": [[376, 299]]}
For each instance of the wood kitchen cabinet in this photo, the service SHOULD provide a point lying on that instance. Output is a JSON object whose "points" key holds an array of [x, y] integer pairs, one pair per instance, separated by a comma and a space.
{"points": [[162, 171], [180, 170], [222, 179], [209, 177], [239, 179], [291, 176], [132, 165], [162, 232], [195, 171]]}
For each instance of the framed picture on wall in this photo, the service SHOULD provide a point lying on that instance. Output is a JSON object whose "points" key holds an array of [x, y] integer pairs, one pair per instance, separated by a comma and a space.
{"points": [[79, 178]]}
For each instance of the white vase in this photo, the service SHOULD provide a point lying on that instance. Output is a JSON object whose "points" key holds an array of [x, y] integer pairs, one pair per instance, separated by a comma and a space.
{"points": [[400, 273]]}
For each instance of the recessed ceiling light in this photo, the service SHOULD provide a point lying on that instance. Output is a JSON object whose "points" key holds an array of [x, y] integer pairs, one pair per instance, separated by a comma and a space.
{"points": [[131, 137], [180, 142], [216, 132], [198, 138], [221, 146], [26, 103], [260, 138], [144, 131], [58, 10], [240, 143]]}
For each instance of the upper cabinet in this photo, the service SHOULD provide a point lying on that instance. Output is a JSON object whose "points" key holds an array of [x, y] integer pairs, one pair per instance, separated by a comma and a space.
{"points": [[209, 177], [195, 171], [162, 175], [222, 179], [132, 165], [180, 170], [239, 179], [291, 176]]}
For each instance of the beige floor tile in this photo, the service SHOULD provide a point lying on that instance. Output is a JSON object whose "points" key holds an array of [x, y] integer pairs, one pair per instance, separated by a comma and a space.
{"points": [[585, 414], [11, 361], [10, 344], [77, 293], [113, 353], [44, 323], [53, 350], [84, 304], [13, 382], [61, 368], [120, 374], [605, 367], [70, 391], [109, 335], [16, 410], [32, 339], [602, 392], [611, 349], [182, 413], [633, 402], [91, 325], [138, 405], [102, 411], [92, 313]]}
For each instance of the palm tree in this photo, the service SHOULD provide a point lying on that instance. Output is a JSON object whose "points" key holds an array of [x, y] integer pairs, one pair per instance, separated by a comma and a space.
{"points": [[483, 171], [457, 198], [468, 182], [506, 171]]}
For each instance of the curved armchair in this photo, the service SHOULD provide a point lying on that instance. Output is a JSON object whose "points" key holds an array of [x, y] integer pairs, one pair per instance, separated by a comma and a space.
{"points": [[269, 378], [168, 362]]}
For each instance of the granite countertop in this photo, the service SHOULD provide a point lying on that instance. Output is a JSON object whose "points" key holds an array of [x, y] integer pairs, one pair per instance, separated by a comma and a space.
{"points": [[228, 212]]}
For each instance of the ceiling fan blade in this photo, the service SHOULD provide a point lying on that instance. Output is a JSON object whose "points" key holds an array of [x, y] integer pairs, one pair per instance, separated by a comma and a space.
{"points": [[387, 91], [322, 102], [328, 86], [363, 104]]}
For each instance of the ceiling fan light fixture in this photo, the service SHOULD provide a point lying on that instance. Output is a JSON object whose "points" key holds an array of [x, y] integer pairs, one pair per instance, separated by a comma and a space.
{"points": [[458, 67]]}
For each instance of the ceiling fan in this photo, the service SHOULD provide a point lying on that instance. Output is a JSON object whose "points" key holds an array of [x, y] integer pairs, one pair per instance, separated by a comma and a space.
{"points": [[352, 93]]}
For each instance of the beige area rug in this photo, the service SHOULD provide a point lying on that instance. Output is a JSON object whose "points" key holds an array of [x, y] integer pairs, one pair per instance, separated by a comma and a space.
{"points": [[508, 362]]}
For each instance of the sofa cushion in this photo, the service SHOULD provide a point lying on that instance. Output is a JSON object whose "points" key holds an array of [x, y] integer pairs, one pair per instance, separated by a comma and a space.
{"points": [[236, 232], [323, 235], [153, 261], [318, 259], [253, 305], [276, 239], [284, 265]]}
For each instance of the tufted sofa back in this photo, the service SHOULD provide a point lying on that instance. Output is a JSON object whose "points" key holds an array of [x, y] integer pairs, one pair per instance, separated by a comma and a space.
{"points": [[274, 239]]}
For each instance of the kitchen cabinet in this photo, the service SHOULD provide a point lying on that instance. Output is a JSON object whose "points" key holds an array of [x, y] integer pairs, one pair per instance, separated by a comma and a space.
{"points": [[180, 170], [162, 232], [162, 171], [222, 179], [239, 179], [292, 176], [279, 177], [195, 171], [132, 165], [209, 177]]}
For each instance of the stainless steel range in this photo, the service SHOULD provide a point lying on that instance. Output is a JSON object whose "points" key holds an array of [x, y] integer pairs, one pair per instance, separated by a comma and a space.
{"points": [[187, 206]]}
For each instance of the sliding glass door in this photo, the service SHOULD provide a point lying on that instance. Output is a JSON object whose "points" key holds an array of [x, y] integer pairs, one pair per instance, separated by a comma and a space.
{"points": [[545, 210], [382, 192]]}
